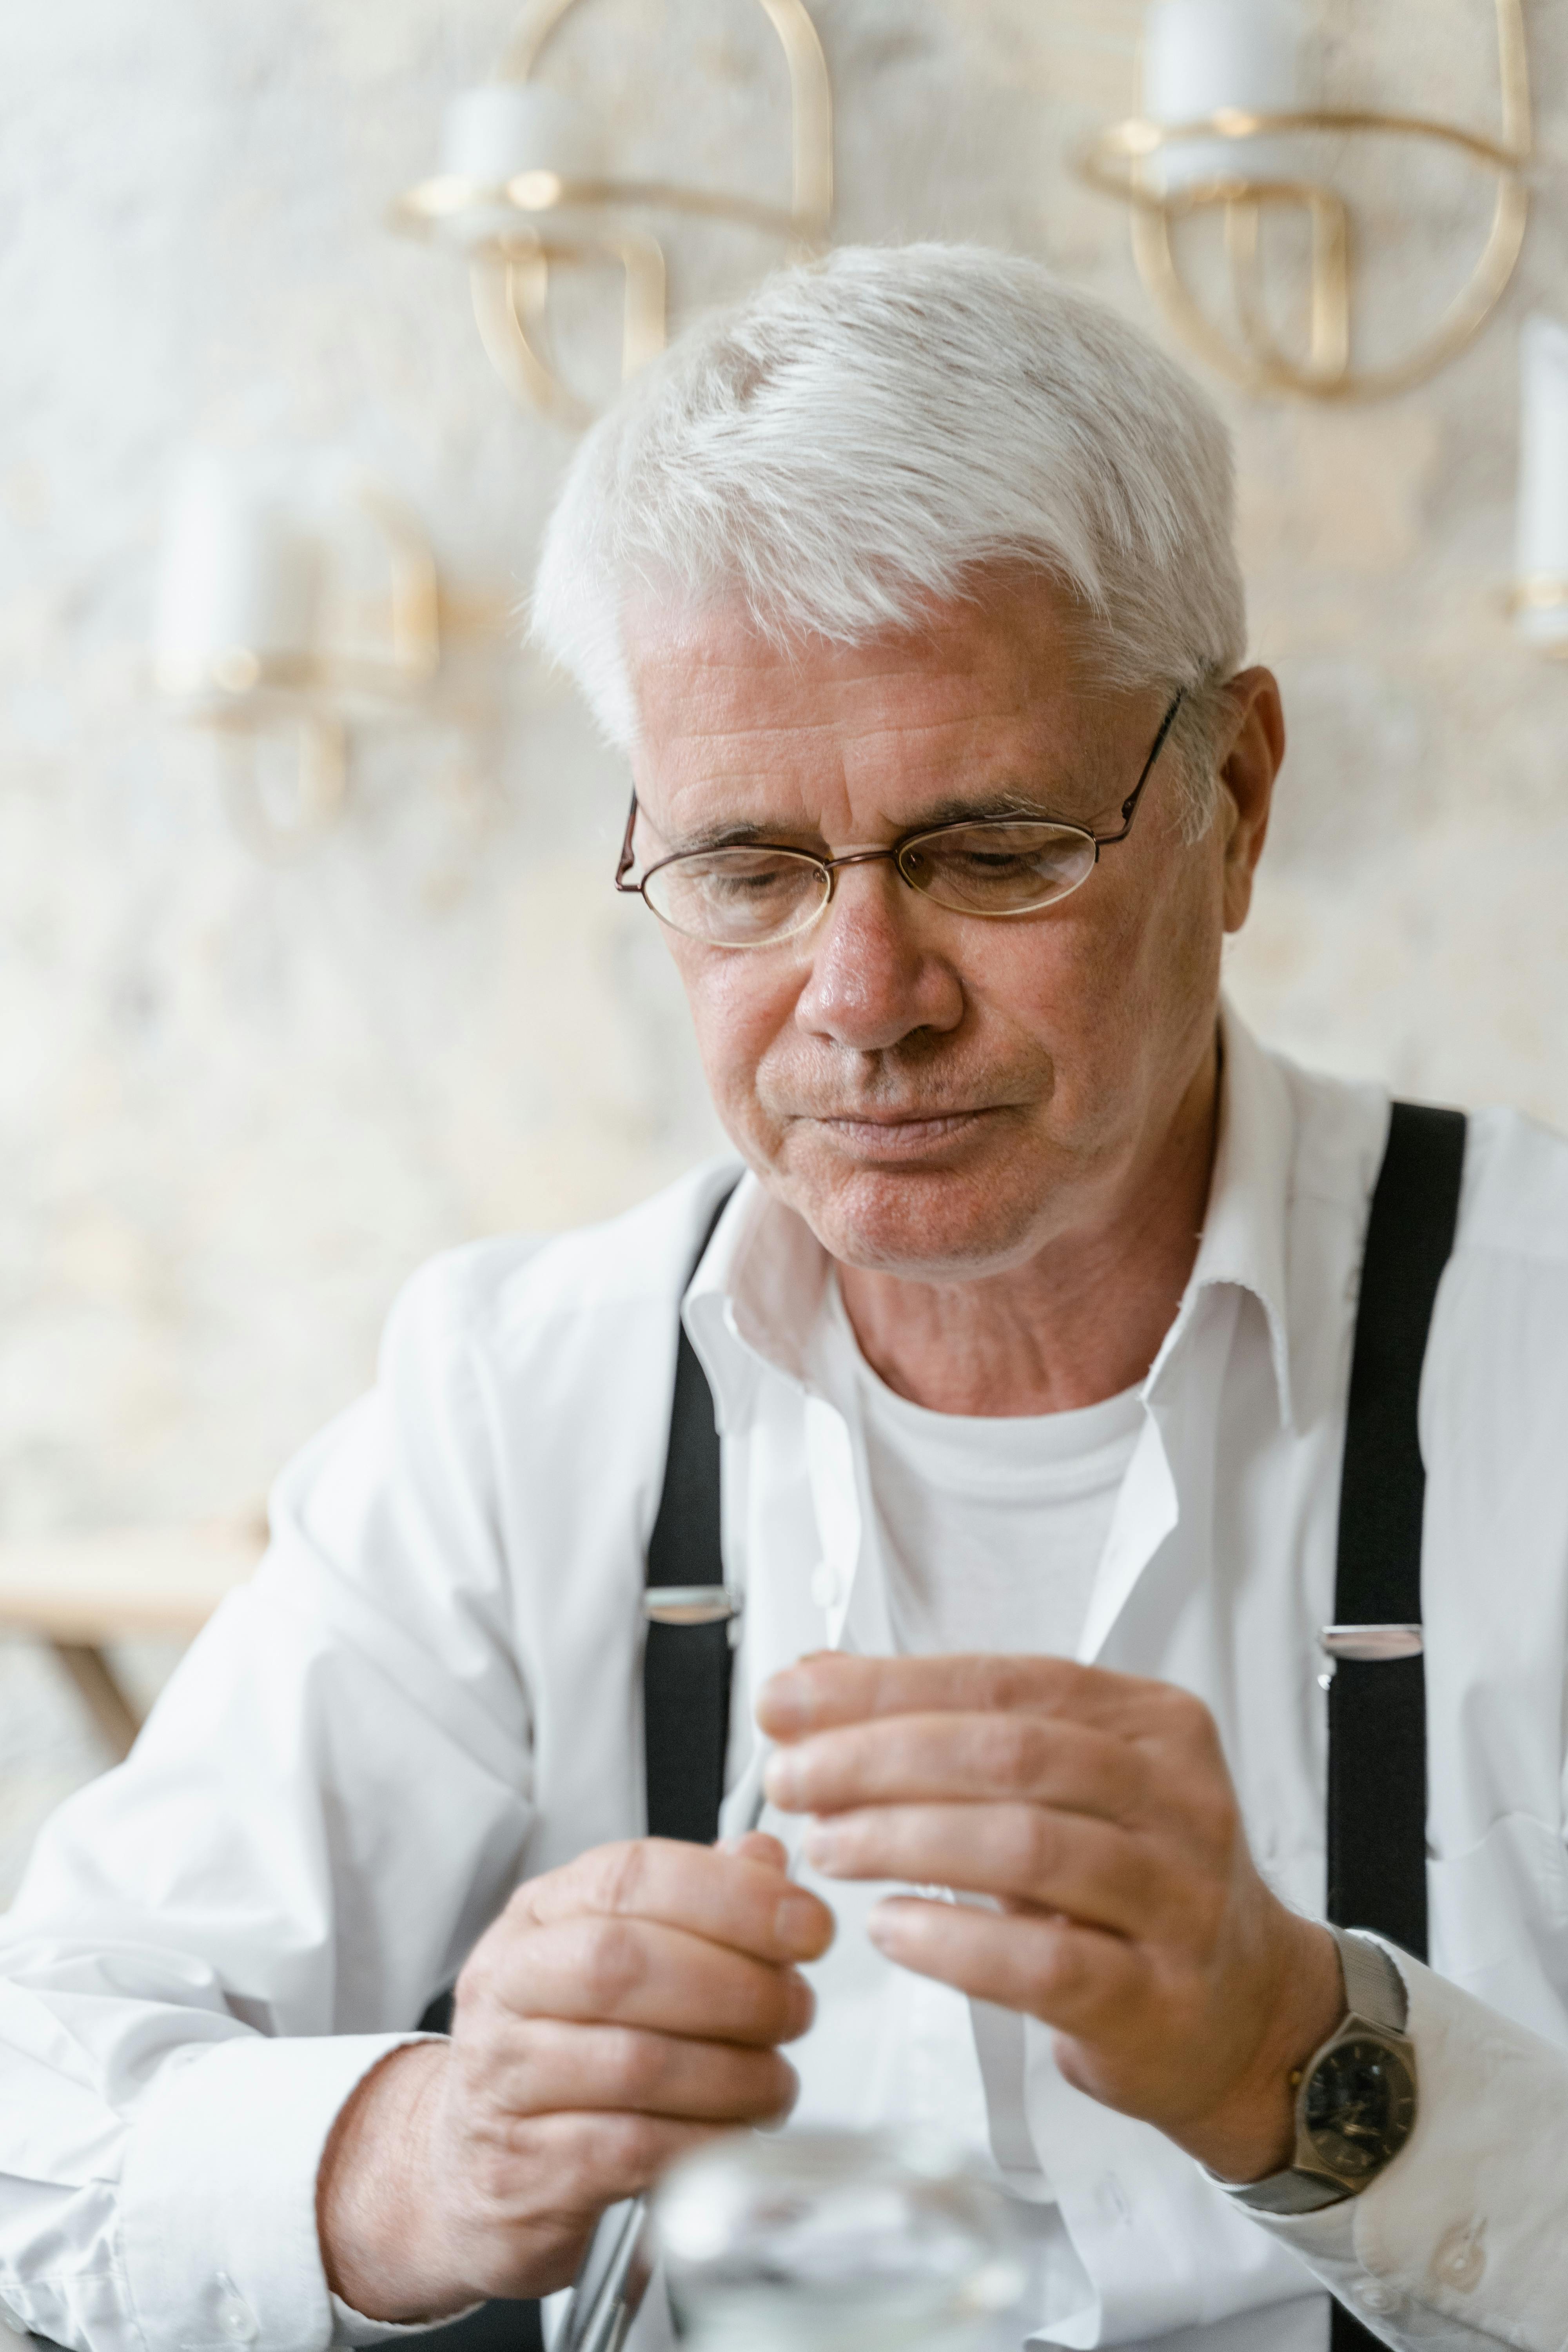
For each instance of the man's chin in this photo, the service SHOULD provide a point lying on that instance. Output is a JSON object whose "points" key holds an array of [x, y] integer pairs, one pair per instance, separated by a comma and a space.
{"points": [[924, 1223]]}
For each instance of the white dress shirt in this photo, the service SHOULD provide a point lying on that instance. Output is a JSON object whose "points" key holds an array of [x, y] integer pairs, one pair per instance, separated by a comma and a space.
{"points": [[432, 1688]]}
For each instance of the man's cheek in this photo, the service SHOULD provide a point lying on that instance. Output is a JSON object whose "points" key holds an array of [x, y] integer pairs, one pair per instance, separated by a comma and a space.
{"points": [[732, 1046]]}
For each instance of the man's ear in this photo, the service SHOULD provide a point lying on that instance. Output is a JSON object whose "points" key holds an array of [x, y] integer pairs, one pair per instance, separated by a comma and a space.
{"points": [[1251, 748]]}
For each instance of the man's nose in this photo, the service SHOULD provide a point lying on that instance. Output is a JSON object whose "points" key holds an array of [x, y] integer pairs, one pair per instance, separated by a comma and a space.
{"points": [[875, 978]]}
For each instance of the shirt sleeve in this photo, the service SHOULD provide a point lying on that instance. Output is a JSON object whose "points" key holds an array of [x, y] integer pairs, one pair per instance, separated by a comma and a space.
{"points": [[216, 1942], [1463, 2242]]}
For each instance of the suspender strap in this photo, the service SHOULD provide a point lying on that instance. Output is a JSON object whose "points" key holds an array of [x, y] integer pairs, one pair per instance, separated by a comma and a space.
{"points": [[686, 1668], [1377, 1711]]}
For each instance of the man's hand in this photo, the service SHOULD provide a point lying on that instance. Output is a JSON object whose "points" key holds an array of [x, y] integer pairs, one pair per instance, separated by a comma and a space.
{"points": [[620, 2010], [1096, 1811]]}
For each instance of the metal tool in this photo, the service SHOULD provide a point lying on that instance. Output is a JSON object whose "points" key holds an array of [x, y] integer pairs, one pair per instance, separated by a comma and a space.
{"points": [[607, 2293]]}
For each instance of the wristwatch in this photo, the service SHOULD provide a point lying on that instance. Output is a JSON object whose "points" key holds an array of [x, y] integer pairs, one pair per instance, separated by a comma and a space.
{"points": [[1355, 2098]]}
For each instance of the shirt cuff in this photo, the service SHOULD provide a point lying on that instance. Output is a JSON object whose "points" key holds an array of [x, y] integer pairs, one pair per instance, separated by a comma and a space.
{"points": [[1461, 2239], [218, 2198], [351, 2327]]}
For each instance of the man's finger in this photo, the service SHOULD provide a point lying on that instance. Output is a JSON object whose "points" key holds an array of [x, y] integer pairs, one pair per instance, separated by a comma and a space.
{"points": [[1074, 1978], [591, 1969], [741, 1901], [546, 2065], [1063, 1862], [916, 1758], [819, 1692]]}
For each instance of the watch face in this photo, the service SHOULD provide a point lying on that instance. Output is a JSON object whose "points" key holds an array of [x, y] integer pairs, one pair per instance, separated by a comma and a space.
{"points": [[1359, 2107]]}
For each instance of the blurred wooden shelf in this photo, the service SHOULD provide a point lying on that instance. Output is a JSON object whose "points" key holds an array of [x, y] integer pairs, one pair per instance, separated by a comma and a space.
{"points": [[124, 1581], [79, 1593]]}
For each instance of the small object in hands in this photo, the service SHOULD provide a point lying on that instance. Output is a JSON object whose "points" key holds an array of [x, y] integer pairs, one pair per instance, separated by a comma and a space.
{"points": [[834, 2241], [610, 2286]]}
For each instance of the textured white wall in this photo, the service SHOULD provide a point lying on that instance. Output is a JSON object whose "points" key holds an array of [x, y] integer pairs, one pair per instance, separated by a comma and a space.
{"points": [[239, 1102]]}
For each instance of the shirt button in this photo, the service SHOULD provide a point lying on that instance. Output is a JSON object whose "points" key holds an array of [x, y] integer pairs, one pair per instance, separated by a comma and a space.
{"points": [[826, 1585], [1461, 2258], [238, 2323], [1378, 2297]]}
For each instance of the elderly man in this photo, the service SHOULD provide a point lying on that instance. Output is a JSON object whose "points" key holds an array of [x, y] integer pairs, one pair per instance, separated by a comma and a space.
{"points": [[1029, 1328]]}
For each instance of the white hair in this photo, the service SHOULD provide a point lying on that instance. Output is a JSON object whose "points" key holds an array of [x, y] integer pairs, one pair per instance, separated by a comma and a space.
{"points": [[865, 434]]}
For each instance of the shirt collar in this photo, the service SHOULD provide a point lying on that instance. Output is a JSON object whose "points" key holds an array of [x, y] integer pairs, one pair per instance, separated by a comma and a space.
{"points": [[755, 1299], [1244, 1237]]}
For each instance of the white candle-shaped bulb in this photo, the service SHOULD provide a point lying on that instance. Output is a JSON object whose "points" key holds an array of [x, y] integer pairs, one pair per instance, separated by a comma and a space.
{"points": [[1203, 58], [506, 132], [238, 589], [503, 128], [1541, 535]]}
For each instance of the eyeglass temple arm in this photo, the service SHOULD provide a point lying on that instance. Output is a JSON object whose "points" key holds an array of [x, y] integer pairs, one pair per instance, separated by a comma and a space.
{"points": [[629, 855], [1130, 805]]}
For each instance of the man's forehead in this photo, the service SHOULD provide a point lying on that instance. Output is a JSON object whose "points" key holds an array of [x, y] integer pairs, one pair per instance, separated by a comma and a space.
{"points": [[722, 709]]}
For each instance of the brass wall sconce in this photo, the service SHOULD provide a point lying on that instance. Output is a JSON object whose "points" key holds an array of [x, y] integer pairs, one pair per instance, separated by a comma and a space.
{"points": [[1540, 597], [524, 189], [1220, 132], [264, 634]]}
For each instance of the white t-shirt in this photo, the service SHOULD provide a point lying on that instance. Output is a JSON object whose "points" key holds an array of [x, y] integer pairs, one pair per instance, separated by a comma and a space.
{"points": [[993, 1531]]}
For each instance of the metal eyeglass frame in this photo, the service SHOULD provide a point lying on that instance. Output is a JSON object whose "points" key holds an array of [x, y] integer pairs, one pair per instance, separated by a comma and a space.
{"points": [[895, 851]]}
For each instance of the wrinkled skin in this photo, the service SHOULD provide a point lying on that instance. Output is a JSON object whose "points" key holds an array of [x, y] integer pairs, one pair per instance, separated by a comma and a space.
{"points": [[621, 2010], [1002, 1130], [1096, 1811]]}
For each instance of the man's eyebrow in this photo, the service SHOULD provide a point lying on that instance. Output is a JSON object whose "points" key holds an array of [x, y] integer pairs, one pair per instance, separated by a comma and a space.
{"points": [[1002, 800], [966, 808]]}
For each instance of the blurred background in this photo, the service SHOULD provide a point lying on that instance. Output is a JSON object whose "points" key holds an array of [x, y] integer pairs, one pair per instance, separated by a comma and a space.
{"points": [[247, 1086]]}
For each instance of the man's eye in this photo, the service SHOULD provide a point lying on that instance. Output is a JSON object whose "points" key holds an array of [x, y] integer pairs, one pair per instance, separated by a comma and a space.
{"points": [[755, 880], [990, 861]]}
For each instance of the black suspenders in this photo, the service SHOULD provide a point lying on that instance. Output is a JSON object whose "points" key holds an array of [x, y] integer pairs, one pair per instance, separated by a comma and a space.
{"points": [[1377, 1708], [1377, 1729]]}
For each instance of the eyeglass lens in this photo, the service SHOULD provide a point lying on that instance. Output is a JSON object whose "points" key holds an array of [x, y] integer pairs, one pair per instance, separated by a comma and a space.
{"points": [[748, 898]]}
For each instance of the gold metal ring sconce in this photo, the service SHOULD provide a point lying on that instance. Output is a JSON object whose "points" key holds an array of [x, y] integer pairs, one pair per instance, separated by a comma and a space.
{"points": [[545, 205], [1119, 162], [244, 651]]}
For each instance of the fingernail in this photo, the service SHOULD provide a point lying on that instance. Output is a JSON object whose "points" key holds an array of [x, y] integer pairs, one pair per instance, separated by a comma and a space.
{"points": [[797, 1923], [782, 1781], [885, 1929], [784, 1702], [824, 1846]]}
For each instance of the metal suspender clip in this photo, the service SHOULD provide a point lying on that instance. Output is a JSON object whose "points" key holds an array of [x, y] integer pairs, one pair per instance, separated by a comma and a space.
{"points": [[1368, 1645], [692, 1604]]}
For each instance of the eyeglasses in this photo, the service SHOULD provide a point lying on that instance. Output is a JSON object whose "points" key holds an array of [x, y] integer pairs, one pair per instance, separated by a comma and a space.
{"points": [[756, 895]]}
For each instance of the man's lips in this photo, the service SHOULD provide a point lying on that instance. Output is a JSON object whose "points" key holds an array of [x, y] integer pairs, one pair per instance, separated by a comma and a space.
{"points": [[891, 1135]]}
